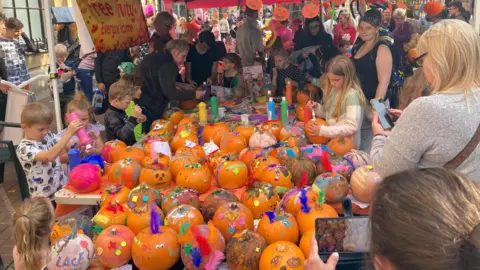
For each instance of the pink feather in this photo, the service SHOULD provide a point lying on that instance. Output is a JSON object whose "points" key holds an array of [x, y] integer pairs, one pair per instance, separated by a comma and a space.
{"points": [[215, 259], [327, 166]]}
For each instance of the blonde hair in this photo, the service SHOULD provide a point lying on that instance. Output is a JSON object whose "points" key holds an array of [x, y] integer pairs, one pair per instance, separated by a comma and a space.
{"points": [[351, 21], [177, 44], [414, 87], [80, 103], [342, 66], [400, 12], [119, 91], [32, 222], [453, 50], [61, 49], [36, 113]]}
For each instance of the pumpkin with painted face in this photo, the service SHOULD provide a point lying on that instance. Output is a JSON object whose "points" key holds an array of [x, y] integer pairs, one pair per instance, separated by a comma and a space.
{"points": [[179, 162], [281, 13], [233, 142], [213, 201], [244, 250], [183, 214], [231, 174], [114, 193], [113, 246], [125, 172], [179, 195], [195, 176], [158, 162], [260, 198], [182, 138], [278, 226], [278, 176], [282, 255], [112, 214], [174, 115], [139, 218], [110, 148], [130, 152], [143, 195], [273, 126], [232, 217], [156, 178]]}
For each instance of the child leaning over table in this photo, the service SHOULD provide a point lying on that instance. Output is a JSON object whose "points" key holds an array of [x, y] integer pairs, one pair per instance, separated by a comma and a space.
{"points": [[40, 149]]}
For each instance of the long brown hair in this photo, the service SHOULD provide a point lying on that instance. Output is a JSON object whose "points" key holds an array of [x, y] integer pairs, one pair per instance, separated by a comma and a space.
{"points": [[427, 219], [32, 222], [414, 87]]}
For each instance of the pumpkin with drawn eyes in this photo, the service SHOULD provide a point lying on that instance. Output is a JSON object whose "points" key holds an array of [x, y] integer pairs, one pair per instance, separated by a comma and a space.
{"points": [[232, 217], [179, 162], [179, 195], [114, 193], [182, 138], [160, 161], [110, 148], [244, 250], [196, 151], [64, 227], [260, 198], [125, 172], [246, 130], [262, 139], [113, 246], [112, 214], [174, 115], [130, 152], [273, 126], [213, 201], [282, 255], [181, 215], [195, 176], [231, 174], [261, 163], [143, 195], [278, 176], [233, 142], [278, 226], [139, 218], [156, 178]]}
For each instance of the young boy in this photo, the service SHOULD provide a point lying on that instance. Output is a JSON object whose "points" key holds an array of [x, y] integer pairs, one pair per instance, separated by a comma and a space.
{"points": [[126, 68], [117, 124], [39, 151], [345, 48], [284, 71]]}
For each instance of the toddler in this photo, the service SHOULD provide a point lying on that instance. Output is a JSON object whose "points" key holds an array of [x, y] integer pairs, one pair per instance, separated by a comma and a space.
{"points": [[344, 48], [66, 80]]}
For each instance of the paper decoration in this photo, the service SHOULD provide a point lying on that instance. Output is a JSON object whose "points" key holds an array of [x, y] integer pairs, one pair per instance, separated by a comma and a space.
{"points": [[255, 4], [310, 11], [209, 148], [162, 148], [252, 72], [281, 13]]}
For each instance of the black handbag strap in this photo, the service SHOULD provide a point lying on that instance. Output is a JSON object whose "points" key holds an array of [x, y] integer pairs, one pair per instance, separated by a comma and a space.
{"points": [[466, 152]]}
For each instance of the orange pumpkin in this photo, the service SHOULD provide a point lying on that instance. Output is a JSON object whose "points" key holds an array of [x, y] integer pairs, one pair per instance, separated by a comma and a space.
{"points": [[244, 250], [310, 11], [298, 166], [300, 112], [231, 174], [248, 155], [161, 126], [273, 126], [196, 151], [174, 115], [232, 217], [131, 152], [305, 241], [286, 154], [335, 186], [148, 145], [179, 195], [188, 121], [125, 172], [106, 168], [315, 139], [139, 218], [303, 96], [307, 215], [214, 200], [143, 195], [160, 161], [282, 255], [433, 8], [281, 13], [114, 193], [156, 178], [291, 200], [233, 142], [215, 132], [183, 214], [341, 145], [255, 4], [412, 55], [113, 246], [112, 214], [195, 176], [179, 162], [278, 226], [217, 158], [187, 127], [260, 198], [363, 182], [188, 104], [182, 138], [246, 130], [278, 176], [64, 227], [110, 148], [261, 163], [262, 139]]}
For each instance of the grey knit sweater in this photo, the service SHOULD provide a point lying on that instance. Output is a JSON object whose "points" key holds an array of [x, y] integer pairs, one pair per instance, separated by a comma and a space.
{"points": [[431, 131]]}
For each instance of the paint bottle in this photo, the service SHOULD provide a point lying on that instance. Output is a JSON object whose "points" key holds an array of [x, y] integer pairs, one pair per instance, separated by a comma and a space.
{"points": [[214, 105], [202, 111], [284, 110], [271, 109], [82, 134], [307, 113], [74, 157], [289, 93], [269, 95]]}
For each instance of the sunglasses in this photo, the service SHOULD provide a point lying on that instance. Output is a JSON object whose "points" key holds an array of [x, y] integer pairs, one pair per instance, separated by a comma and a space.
{"points": [[419, 60]]}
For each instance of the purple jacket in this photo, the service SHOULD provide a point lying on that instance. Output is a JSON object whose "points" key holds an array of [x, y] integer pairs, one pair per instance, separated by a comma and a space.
{"points": [[403, 32]]}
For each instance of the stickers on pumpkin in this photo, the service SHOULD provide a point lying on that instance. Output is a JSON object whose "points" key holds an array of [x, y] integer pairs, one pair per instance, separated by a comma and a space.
{"points": [[310, 11], [281, 13]]}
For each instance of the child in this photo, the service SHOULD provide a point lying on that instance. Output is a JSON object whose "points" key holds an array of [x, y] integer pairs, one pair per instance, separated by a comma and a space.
{"points": [[39, 151], [344, 48], [66, 80], [80, 105], [126, 68], [117, 124], [283, 72], [135, 83], [343, 103], [414, 87], [232, 78], [32, 223]]}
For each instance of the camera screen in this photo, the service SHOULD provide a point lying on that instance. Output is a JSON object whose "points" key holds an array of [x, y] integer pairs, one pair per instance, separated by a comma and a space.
{"points": [[343, 234]]}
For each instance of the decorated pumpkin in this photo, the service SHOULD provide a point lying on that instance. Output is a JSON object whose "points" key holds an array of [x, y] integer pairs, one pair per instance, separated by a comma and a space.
{"points": [[179, 195], [186, 127], [179, 162], [232, 217], [231, 174], [272, 126], [85, 178], [188, 121], [233, 142], [64, 227], [248, 155], [215, 132], [183, 138], [196, 150], [303, 96], [114, 193], [285, 154], [213, 201], [282, 255], [113, 246], [126, 172], [336, 164], [262, 139], [174, 115], [308, 214], [295, 141], [246, 130], [357, 158], [183, 214], [244, 250], [156, 178], [316, 139], [260, 198], [131, 152], [341, 145], [217, 158], [159, 161], [112, 214], [261, 163], [335, 186], [278, 176], [152, 142], [278, 226], [161, 126], [110, 148], [363, 183], [300, 165], [292, 200], [71, 252], [143, 195], [139, 218], [300, 112], [195, 176], [188, 104], [305, 241]]}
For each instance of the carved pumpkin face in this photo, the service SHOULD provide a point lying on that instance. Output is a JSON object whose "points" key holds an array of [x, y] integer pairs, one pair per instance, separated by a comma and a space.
{"points": [[160, 161], [291, 200], [246, 130], [214, 200], [233, 142], [261, 163], [244, 250], [179, 162], [64, 227], [341, 145], [231, 218], [125, 172], [281, 13], [278, 176], [335, 186], [114, 193], [261, 139], [278, 227], [315, 139], [195, 176], [138, 218], [174, 115], [181, 215], [282, 255], [113, 246], [112, 214], [182, 138], [156, 178], [232, 174], [273, 126], [110, 148], [260, 198], [190, 256], [179, 195], [151, 250], [196, 151], [143, 195], [131, 152]]}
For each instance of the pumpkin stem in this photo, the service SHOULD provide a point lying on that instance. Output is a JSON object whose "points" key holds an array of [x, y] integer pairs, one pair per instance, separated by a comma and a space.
{"points": [[341, 139], [278, 208]]}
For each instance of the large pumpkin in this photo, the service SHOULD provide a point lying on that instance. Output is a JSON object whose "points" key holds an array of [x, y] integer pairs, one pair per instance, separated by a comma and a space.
{"points": [[231, 174], [197, 151], [246, 130], [110, 148], [139, 218], [112, 214], [233, 142], [159, 161], [278, 176], [114, 193], [203, 247], [182, 215], [232, 217], [335, 186], [85, 178], [357, 158], [182, 138], [151, 141], [143, 195], [363, 183], [308, 214], [131, 152], [315, 139], [179, 162], [174, 115], [71, 250], [305, 241], [162, 126], [278, 226], [179, 195], [113, 246], [262, 139], [64, 227], [261, 163], [292, 200], [215, 132], [195, 176], [282, 255], [248, 155], [299, 166], [156, 178], [273, 126], [260, 198], [125, 172], [244, 250], [341, 145], [213, 201], [303, 96]]}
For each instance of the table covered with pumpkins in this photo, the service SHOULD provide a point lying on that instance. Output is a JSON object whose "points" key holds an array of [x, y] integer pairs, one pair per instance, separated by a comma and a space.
{"points": [[243, 193]]}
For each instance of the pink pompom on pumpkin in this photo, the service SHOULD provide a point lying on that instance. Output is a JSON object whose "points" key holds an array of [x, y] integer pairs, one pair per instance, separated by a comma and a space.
{"points": [[85, 178]]}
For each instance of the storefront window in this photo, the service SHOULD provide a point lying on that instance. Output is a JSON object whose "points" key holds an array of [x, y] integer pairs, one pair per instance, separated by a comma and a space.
{"points": [[29, 12]]}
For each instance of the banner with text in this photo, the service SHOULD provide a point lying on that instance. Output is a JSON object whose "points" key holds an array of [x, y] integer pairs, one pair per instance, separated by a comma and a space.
{"points": [[114, 24]]}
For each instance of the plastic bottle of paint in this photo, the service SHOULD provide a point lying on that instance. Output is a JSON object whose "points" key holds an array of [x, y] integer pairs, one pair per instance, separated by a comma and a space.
{"points": [[284, 111], [214, 105], [271, 110]]}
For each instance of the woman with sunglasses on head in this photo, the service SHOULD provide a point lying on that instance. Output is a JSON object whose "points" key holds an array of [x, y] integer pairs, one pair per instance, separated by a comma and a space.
{"points": [[443, 129]]}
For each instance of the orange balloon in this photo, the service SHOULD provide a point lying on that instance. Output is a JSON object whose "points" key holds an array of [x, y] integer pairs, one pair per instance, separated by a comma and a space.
{"points": [[310, 11], [255, 4], [281, 13]]}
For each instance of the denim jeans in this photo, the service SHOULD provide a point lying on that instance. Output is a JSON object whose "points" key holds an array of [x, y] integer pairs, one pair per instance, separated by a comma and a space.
{"points": [[86, 82]]}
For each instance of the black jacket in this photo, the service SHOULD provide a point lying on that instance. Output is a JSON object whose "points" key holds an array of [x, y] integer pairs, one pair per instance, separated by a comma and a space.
{"points": [[328, 49], [119, 126], [106, 65]]}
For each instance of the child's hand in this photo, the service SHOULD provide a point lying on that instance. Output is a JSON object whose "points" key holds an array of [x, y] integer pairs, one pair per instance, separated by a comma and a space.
{"points": [[73, 127], [92, 135], [142, 118], [137, 111], [313, 130], [312, 104]]}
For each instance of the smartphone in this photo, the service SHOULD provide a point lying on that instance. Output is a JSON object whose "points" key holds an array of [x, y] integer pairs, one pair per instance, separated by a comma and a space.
{"points": [[383, 114], [343, 234]]}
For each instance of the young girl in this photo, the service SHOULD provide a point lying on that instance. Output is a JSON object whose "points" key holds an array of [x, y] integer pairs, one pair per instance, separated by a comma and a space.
{"points": [[283, 72], [32, 223], [232, 78], [343, 102], [414, 87]]}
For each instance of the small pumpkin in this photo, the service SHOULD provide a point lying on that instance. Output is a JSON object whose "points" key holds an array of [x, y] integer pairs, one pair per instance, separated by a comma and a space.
{"points": [[182, 138], [217, 158], [139, 218], [341, 145], [183, 214], [213, 201], [160, 161], [307, 215], [363, 183], [112, 214], [316, 139], [232, 217], [215, 132], [179, 195], [114, 193], [273, 126], [244, 250], [188, 121], [278, 226], [156, 178], [64, 227], [303, 96], [358, 158], [305, 241], [233, 142], [161, 126], [187, 127], [179, 162], [195, 176], [282, 255], [110, 148], [260, 198], [188, 104], [231, 174], [113, 246], [197, 151], [335, 186], [278, 176], [125, 172], [174, 115], [246, 130], [143, 195], [76, 249]]}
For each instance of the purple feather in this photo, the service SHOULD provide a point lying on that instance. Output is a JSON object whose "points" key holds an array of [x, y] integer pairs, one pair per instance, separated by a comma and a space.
{"points": [[304, 201], [350, 162], [154, 220], [271, 216], [196, 257], [272, 165]]}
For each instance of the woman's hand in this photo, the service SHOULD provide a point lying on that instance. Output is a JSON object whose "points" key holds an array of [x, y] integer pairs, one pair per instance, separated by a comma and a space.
{"points": [[396, 112], [377, 127], [313, 262]]}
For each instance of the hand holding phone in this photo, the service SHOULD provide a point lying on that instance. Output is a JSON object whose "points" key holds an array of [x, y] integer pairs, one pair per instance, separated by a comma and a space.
{"points": [[382, 113]]}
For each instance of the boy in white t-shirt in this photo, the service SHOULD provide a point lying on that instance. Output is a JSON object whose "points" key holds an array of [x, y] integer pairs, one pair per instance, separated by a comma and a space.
{"points": [[40, 149]]}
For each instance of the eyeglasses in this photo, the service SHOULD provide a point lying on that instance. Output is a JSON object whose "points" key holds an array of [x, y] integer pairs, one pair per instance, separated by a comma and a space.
{"points": [[419, 60]]}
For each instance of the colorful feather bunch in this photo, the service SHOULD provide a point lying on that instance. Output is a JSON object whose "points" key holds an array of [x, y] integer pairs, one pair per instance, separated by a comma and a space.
{"points": [[154, 220], [304, 201], [271, 216]]}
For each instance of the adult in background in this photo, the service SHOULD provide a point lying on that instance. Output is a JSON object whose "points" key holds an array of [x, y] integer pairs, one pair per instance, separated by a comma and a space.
{"points": [[224, 26], [163, 24], [314, 35], [160, 71], [457, 11], [434, 130], [202, 60], [329, 23], [85, 71], [249, 38], [3, 74], [345, 28], [403, 32]]}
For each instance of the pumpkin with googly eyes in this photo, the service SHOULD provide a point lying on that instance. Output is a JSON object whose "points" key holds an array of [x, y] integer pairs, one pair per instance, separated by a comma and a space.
{"points": [[113, 246], [181, 215], [195, 176], [156, 178], [273, 126]]}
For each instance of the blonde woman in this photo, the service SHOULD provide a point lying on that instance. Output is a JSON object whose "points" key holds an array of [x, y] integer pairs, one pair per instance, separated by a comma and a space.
{"points": [[345, 28], [434, 130], [344, 102]]}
